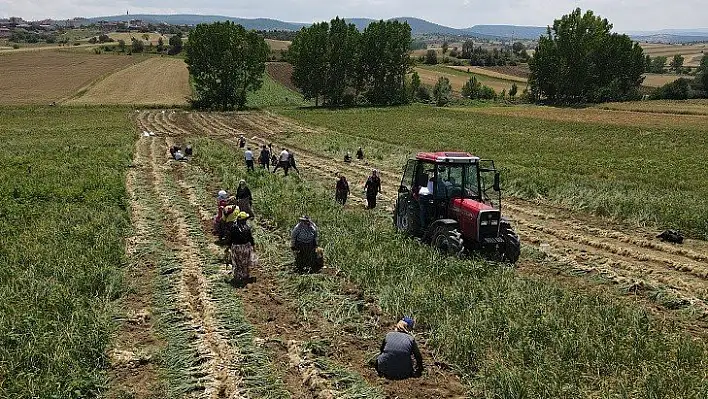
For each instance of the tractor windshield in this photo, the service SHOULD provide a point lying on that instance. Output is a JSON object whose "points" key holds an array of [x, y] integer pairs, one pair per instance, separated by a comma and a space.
{"points": [[457, 181]]}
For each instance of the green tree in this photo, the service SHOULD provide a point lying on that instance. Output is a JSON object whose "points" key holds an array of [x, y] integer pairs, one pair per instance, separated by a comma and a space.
{"points": [[415, 85], [308, 53], [137, 46], [431, 57], [121, 45], [657, 64], [679, 89], [160, 45], [647, 63], [517, 47], [175, 43], [445, 46], [471, 88], [225, 61], [442, 91], [342, 60], [514, 89], [580, 60], [677, 63], [385, 61], [467, 49]]}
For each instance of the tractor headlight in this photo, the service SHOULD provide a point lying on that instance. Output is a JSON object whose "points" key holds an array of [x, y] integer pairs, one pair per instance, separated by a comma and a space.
{"points": [[484, 222], [495, 222]]}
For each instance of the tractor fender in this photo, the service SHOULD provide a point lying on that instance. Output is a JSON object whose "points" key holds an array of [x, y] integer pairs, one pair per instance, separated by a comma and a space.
{"points": [[449, 223]]}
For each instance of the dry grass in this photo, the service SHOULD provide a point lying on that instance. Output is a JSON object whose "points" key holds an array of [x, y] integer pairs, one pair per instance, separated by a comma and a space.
{"points": [[692, 53], [42, 77], [595, 116], [430, 75], [277, 45], [157, 81], [684, 107], [657, 80], [489, 73]]}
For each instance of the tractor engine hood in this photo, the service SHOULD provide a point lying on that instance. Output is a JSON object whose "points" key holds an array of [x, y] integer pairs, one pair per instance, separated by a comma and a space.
{"points": [[478, 221]]}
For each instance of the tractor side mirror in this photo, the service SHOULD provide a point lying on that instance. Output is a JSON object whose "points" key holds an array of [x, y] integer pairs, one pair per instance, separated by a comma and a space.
{"points": [[497, 185]]}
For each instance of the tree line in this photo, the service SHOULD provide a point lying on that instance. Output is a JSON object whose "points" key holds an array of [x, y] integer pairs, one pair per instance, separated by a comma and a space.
{"points": [[336, 63]]}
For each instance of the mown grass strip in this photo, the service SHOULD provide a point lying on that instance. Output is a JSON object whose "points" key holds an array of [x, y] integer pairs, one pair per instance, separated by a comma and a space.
{"points": [[512, 336], [254, 366]]}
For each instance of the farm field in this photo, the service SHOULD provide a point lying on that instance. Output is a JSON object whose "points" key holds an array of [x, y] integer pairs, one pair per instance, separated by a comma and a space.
{"points": [[45, 76], [62, 270], [155, 81], [274, 94], [462, 322], [657, 80], [489, 73], [277, 45], [685, 107], [429, 75], [691, 52]]}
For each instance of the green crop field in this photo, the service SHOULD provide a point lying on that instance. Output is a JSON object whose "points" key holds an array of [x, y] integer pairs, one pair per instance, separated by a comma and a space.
{"points": [[510, 336], [648, 171], [63, 218], [273, 94]]}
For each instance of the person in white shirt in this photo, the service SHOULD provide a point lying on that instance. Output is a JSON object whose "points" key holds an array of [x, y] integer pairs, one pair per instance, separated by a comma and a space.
{"points": [[249, 159], [283, 161]]}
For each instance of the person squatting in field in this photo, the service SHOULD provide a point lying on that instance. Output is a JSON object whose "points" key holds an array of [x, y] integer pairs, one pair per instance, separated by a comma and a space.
{"points": [[241, 255], [398, 352], [304, 244], [372, 188], [342, 190], [360, 154], [226, 206], [284, 161], [248, 155]]}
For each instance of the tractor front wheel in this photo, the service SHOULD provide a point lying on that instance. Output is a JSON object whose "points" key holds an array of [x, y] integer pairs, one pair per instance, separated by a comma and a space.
{"points": [[448, 241], [511, 249]]}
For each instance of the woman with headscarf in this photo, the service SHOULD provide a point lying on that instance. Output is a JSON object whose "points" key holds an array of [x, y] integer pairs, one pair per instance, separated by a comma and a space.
{"points": [[226, 205], [303, 242], [342, 190], [398, 352], [373, 188], [244, 197], [240, 254]]}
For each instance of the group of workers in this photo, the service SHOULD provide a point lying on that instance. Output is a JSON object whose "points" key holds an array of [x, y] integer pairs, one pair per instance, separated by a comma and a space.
{"points": [[178, 155], [399, 356]]}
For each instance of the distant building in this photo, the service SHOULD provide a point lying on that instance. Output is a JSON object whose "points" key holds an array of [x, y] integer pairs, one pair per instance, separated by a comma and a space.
{"points": [[5, 33]]}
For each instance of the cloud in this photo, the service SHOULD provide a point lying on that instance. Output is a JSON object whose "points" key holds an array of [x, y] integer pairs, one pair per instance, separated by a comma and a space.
{"points": [[624, 14]]}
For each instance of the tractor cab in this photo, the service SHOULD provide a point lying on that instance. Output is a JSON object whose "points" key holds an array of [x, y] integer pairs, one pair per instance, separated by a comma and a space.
{"points": [[444, 198]]}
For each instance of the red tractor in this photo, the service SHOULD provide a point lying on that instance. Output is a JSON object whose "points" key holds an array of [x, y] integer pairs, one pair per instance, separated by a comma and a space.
{"points": [[443, 200]]}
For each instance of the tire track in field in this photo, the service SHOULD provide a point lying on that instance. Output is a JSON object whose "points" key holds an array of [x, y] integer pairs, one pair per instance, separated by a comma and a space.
{"points": [[587, 245], [192, 286]]}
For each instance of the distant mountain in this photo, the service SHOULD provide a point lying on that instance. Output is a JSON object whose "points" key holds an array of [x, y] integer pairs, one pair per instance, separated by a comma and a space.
{"points": [[418, 27], [507, 31]]}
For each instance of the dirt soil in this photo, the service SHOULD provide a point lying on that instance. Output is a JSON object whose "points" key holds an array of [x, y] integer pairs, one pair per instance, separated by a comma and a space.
{"points": [[282, 72]]}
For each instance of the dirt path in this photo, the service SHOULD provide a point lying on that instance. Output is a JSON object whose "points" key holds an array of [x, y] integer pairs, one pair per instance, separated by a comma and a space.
{"points": [[676, 276]]}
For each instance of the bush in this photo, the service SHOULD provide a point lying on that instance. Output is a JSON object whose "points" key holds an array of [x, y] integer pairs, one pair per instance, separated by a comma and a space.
{"points": [[442, 91], [679, 89], [15, 46], [431, 57]]}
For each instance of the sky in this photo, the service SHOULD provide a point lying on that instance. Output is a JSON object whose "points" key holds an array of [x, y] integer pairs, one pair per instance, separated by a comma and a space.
{"points": [[626, 15]]}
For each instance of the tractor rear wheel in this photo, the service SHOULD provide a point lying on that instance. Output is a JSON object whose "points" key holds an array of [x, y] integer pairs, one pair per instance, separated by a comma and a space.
{"points": [[407, 218], [511, 249], [448, 241]]}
